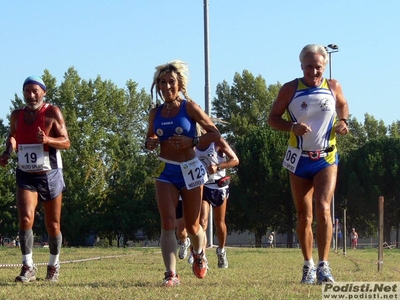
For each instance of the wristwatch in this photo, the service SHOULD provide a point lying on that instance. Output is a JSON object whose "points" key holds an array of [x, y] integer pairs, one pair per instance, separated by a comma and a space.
{"points": [[218, 168]]}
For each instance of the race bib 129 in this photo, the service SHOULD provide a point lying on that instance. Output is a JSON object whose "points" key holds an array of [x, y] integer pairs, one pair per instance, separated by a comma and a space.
{"points": [[194, 173]]}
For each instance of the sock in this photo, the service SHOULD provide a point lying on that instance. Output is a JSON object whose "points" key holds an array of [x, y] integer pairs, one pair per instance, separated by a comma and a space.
{"points": [[26, 244], [324, 262], [54, 260], [197, 240], [309, 263], [54, 247], [168, 249], [27, 259], [26, 241], [221, 250]]}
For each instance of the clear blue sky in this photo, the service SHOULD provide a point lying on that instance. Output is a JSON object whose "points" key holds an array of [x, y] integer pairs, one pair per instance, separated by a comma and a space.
{"points": [[121, 40]]}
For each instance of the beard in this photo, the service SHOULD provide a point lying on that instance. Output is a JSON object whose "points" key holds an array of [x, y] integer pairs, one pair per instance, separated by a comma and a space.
{"points": [[33, 104]]}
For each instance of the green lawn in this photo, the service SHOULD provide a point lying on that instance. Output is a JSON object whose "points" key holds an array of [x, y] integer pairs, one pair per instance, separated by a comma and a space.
{"points": [[137, 273]]}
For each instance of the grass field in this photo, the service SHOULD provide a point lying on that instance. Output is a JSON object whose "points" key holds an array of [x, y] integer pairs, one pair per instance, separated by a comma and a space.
{"points": [[137, 273]]}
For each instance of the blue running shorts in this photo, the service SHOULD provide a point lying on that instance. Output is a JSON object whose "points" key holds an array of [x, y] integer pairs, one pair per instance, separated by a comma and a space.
{"points": [[48, 185], [308, 167], [215, 197]]}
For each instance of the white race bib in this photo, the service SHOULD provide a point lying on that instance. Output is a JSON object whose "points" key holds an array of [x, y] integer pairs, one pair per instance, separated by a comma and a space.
{"points": [[30, 157], [194, 173], [291, 159]]}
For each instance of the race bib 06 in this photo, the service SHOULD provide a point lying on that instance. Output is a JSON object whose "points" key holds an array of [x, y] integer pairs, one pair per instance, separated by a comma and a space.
{"points": [[291, 159]]}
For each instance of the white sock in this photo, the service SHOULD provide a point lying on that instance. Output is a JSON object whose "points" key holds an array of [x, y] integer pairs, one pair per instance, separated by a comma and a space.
{"points": [[309, 263], [221, 250], [325, 262], [54, 260], [27, 259]]}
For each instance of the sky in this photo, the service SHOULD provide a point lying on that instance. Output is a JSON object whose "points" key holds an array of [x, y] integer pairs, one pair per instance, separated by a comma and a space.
{"points": [[123, 40]]}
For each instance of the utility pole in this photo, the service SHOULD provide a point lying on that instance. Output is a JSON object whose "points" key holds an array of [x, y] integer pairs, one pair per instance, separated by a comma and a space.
{"points": [[210, 235]]}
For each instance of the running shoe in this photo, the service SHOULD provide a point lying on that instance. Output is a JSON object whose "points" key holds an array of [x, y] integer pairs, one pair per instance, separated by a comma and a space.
{"points": [[308, 275], [183, 248], [324, 273], [222, 261], [190, 259], [52, 273], [199, 265], [171, 279], [27, 274]]}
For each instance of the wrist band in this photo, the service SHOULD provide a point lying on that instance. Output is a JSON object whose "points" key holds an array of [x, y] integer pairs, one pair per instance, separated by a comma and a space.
{"points": [[294, 123], [195, 141], [345, 121]]}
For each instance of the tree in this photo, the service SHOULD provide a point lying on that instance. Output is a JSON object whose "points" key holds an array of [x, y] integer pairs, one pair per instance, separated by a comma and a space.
{"points": [[106, 170], [106, 126], [374, 129], [8, 211], [394, 130], [260, 194], [365, 174]]}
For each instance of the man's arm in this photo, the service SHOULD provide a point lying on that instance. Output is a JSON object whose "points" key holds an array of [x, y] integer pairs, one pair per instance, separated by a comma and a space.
{"points": [[11, 143], [56, 134]]}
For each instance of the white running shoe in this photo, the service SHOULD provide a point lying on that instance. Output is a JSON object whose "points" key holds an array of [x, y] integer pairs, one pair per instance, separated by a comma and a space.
{"points": [[183, 248], [324, 273], [191, 259], [222, 261]]}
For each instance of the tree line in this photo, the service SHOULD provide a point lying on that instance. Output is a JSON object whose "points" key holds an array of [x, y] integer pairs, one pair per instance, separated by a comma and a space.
{"points": [[109, 175]]}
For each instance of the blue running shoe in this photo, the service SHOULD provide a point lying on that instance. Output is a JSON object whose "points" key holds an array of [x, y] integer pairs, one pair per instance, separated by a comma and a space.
{"points": [[324, 273], [308, 275]]}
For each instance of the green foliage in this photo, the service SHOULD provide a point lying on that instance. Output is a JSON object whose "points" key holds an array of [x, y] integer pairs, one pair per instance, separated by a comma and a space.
{"points": [[366, 173], [105, 168], [259, 190], [8, 212], [394, 129], [245, 103], [262, 185], [106, 124], [110, 187]]}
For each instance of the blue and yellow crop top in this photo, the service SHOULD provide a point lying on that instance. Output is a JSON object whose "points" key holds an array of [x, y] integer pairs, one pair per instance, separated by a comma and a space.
{"points": [[180, 124]]}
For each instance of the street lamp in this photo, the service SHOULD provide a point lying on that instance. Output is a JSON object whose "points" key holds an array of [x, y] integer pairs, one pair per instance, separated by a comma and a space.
{"points": [[331, 48]]}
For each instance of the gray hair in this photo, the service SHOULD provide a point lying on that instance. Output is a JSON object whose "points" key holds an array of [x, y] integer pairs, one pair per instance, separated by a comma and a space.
{"points": [[178, 67], [314, 48]]}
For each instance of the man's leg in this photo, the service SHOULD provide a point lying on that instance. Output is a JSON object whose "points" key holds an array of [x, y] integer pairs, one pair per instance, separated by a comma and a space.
{"points": [[219, 219], [26, 205], [324, 182], [52, 211], [302, 191]]}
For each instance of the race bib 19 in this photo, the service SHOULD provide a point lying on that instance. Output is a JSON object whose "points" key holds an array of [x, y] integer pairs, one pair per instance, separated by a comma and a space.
{"points": [[30, 157], [194, 173], [291, 158]]}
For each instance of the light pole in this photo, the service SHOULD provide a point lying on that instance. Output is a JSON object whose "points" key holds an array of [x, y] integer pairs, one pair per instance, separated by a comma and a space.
{"points": [[331, 48], [210, 234]]}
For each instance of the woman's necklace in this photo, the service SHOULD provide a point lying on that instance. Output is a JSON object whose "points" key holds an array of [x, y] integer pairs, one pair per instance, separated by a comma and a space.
{"points": [[169, 106]]}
